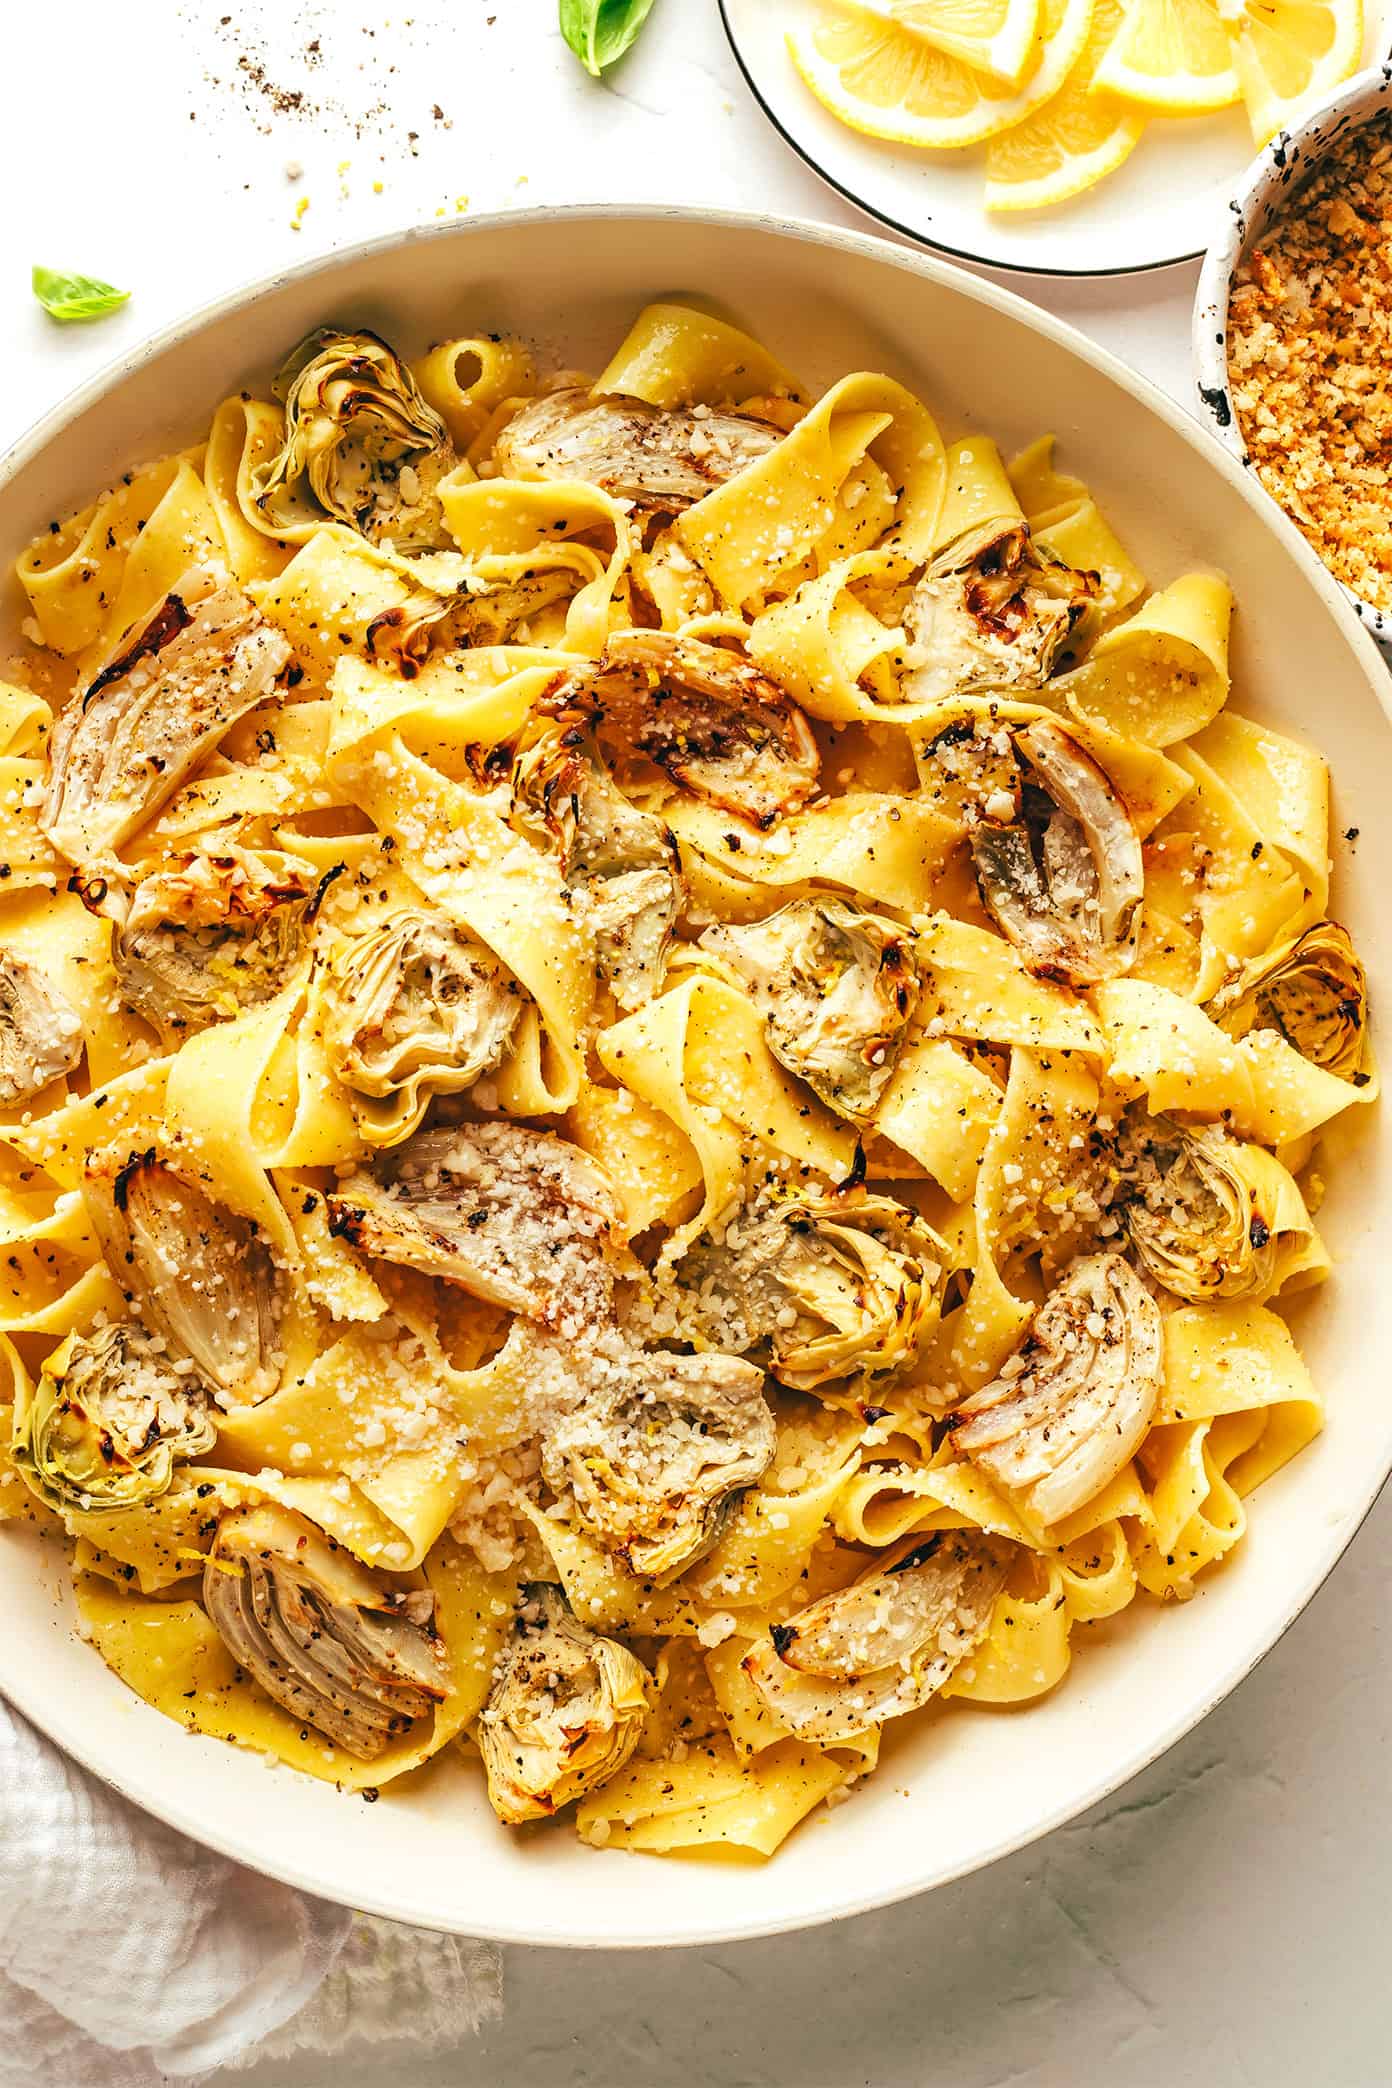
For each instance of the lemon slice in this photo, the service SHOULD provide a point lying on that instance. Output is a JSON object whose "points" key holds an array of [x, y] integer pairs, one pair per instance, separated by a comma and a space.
{"points": [[997, 37], [1172, 56], [887, 83], [1291, 53], [1070, 143]]}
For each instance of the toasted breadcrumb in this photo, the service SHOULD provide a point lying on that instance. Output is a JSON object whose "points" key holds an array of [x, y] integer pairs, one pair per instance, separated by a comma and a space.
{"points": [[1309, 349]]}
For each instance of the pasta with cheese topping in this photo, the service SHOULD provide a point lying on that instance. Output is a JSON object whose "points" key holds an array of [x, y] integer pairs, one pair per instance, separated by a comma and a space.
{"points": [[660, 1054]]}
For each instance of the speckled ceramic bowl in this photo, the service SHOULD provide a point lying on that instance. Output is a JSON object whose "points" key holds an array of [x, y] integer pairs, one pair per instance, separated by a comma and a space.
{"points": [[1287, 161]]}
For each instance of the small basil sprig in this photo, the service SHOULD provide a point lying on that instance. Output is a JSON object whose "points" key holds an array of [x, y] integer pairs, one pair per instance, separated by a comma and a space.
{"points": [[600, 31], [75, 297]]}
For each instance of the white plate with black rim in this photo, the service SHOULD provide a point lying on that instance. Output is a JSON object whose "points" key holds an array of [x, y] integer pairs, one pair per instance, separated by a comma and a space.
{"points": [[1159, 207]]}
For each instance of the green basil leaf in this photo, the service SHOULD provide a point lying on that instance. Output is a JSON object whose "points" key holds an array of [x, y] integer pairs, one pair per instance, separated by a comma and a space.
{"points": [[600, 31], [73, 297]]}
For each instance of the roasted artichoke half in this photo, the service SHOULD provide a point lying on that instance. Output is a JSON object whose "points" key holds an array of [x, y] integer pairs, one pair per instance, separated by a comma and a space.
{"points": [[328, 1640], [200, 660], [624, 861], [661, 460], [196, 1272], [564, 1713], [836, 988], [216, 931], [1314, 992], [885, 1645], [703, 715], [361, 446], [656, 1453], [110, 1414], [518, 1217], [991, 612], [830, 1286], [1073, 1403], [40, 1031], [1197, 1207], [1058, 862], [419, 1007]]}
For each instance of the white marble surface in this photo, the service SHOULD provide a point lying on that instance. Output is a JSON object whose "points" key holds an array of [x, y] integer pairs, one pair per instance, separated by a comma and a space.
{"points": [[1220, 1922]]}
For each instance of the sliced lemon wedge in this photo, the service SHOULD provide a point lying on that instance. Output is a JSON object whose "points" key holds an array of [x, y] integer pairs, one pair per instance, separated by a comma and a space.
{"points": [[1073, 141], [997, 37], [1171, 56], [886, 82], [1289, 54]]}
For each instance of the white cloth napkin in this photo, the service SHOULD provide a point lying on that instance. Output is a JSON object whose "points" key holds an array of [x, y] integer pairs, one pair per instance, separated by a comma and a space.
{"points": [[129, 1955]]}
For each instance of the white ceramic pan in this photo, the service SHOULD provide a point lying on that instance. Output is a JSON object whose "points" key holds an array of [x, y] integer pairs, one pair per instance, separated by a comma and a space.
{"points": [[965, 1788]]}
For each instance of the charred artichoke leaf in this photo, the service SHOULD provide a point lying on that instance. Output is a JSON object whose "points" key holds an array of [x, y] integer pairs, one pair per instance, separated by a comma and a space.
{"points": [[200, 660], [632, 916], [493, 614], [564, 799], [518, 1217], [564, 1713], [837, 1285], [361, 445], [661, 460], [40, 1031], [419, 1006], [432, 617], [1198, 1214], [885, 1645], [330, 1642], [991, 612], [1072, 1404], [703, 715], [110, 1414], [1062, 874], [1314, 992], [217, 930], [197, 1272], [656, 1453], [623, 860], [836, 988]]}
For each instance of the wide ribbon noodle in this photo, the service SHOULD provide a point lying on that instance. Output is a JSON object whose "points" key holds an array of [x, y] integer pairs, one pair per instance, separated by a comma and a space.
{"points": [[662, 1055]]}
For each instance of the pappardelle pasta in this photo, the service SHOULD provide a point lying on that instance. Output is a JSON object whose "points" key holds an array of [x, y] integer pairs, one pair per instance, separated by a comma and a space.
{"points": [[660, 1049]]}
